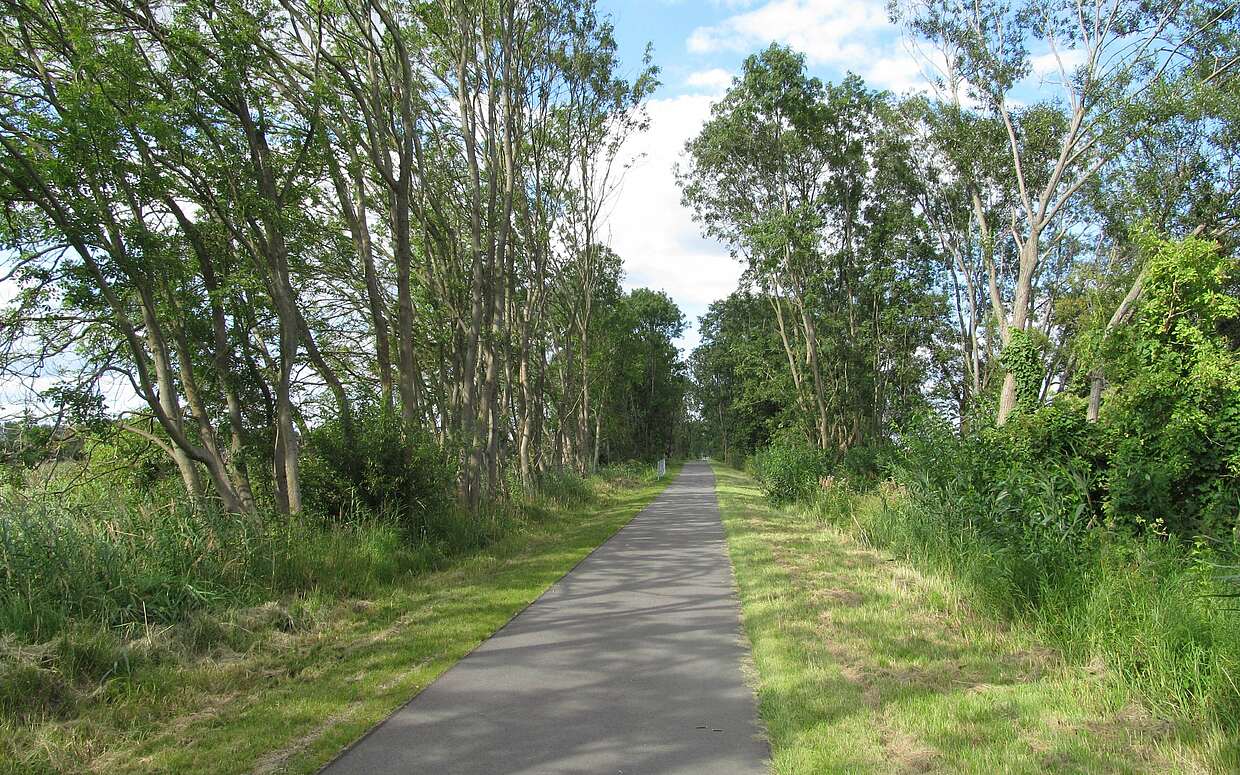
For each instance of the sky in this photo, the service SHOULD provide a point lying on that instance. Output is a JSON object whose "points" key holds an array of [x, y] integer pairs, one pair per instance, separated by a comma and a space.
{"points": [[699, 46]]}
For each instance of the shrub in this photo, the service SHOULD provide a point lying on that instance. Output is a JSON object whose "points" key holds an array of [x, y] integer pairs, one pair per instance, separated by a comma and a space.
{"points": [[789, 469], [385, 472], [1024, 518], [628, 471], [1034, 480], [1172, 414], [865, 462], [563, 488]]}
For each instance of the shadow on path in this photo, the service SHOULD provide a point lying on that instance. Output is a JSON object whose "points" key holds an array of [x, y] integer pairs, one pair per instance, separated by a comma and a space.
{"points": [[628, 664]]}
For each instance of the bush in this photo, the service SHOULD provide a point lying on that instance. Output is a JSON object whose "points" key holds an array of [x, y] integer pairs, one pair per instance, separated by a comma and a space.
{"points": [[384, 472], [1172, 415], [865, 462], [627, 472], [1032, 482], [789, 469], [563, 488]]}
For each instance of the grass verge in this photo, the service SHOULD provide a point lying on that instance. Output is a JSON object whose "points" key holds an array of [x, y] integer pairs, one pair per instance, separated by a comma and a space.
{"points": [[282, 686], [866, 664]]}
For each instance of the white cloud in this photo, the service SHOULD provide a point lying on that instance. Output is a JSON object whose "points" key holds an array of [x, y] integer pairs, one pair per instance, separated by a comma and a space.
{"points": [[845, 35], [714, 81], [8, 289], [653, 232], [1045, 67], [898, 72], [827, 31]]}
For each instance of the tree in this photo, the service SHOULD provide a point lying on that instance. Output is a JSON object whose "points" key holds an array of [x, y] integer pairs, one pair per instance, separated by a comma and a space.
{"points": [[270, 217], [1105, 57], [811, 186]]}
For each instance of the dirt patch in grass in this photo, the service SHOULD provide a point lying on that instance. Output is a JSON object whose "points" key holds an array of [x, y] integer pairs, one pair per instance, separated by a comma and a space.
{"points": [[837, 597], [1131, 725], [210, 708], [275, 760], [906, 753]]}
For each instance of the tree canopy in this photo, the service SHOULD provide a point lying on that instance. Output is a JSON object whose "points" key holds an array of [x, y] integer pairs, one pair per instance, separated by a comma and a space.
{"points": [[258, 221]]}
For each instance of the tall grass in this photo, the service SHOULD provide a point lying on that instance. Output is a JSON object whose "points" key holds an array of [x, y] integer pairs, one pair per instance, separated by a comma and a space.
{"points": [[125, 563], [1140, 607], [629, 472], [99, 580], [122, 561], [1025, 522]]}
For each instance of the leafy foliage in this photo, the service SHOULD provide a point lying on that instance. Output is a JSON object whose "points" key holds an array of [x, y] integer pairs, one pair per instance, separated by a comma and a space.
{"points": [[642, 396], [382, 473], [1173, 414], [789, 469], [812, 186], [1023, 361]]}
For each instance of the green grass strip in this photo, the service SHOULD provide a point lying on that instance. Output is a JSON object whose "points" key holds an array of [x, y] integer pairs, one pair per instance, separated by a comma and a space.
{"points": [[865, 665], [293, 701]]}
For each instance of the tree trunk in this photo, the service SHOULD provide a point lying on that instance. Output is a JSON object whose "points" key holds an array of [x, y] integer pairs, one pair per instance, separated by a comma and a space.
{"points": [[355, 216], [404, 302], [1019, 320]]}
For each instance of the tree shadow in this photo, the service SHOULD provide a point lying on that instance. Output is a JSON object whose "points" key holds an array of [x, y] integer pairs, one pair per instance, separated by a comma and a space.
{"points": [[859, 659], [630, 663]]}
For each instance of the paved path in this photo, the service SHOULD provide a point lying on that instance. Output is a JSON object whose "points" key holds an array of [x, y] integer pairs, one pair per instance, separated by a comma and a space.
{"points": [[631, 663]]}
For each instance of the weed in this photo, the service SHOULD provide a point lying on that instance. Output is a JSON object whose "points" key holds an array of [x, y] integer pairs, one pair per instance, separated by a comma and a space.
{"points": [[920, 652]]}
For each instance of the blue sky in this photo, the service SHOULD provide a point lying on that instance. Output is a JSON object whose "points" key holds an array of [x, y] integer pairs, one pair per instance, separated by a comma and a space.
{"points": [[692, 38]]}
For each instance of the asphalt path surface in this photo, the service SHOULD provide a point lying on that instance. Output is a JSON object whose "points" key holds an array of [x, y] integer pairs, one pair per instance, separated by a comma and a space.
{"points": [[631, 663]]}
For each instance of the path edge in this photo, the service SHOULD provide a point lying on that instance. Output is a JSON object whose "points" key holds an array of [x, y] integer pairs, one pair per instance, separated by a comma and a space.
{"points": [[341, 753], [749, 668]]}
